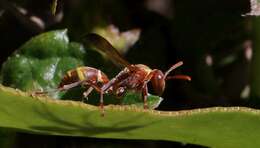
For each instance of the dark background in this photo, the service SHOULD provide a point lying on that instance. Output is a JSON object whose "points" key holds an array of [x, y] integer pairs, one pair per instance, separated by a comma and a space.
{"points": [[210, 36]]}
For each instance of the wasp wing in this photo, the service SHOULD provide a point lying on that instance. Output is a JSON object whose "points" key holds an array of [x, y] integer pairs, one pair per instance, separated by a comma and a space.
{"points": [[104, 46]]}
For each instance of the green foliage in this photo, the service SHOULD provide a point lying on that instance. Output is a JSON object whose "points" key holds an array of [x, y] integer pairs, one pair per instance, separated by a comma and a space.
{"points": [[41, 62], [213, 127]]}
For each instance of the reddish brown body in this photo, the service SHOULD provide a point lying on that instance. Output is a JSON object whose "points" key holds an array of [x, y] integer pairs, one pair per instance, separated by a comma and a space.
{"points": [[132, 77]]}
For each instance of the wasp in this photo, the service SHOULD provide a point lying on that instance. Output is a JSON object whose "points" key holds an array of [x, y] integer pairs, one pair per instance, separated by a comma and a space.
{"points": [[133, 77]]}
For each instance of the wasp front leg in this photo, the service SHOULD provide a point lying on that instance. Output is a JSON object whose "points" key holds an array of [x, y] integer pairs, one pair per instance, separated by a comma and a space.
{"points": [[93, 86], [145, 95], [145, 89]]}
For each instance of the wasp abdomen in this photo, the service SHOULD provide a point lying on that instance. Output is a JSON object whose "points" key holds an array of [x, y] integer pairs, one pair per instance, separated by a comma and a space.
{"points": [[87, 74]]}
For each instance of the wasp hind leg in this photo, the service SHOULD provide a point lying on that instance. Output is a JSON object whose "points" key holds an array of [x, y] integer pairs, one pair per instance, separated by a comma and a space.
{"points": [[98, 89], [102, 103], [86, 93]]}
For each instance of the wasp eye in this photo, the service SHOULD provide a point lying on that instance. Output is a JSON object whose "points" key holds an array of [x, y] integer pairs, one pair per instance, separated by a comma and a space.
{"points": [[158, 82], [159, 77]]}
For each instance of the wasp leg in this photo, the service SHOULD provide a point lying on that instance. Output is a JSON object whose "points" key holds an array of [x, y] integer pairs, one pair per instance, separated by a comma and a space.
{"points": [[63, 88], [98, 89], [145, 88], [69, 86], [86, 93], [144, 95], [102, 103]]}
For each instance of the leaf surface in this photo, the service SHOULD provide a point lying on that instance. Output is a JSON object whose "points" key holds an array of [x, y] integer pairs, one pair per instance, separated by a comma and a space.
{"points": [[214, 127]]}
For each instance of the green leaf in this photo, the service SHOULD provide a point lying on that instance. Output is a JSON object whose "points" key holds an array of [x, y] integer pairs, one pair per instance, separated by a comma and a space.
{"points": [[40, 63], [50, 44], [134, 98], [131, 98], [213, 127]]}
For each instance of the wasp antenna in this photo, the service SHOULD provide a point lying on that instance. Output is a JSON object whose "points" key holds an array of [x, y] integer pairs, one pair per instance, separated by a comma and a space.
{"points": [[180, 77], [172, 68]]}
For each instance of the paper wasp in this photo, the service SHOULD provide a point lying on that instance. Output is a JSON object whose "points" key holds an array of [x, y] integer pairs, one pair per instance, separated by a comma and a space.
{"points": [[133, 76]]}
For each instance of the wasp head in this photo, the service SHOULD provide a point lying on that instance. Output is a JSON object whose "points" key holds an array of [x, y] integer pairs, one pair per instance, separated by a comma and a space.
{"points": [[158, 82], [158, 79]]}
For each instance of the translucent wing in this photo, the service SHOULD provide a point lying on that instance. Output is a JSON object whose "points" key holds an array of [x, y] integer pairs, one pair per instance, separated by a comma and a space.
{"points": [[105, 47]]}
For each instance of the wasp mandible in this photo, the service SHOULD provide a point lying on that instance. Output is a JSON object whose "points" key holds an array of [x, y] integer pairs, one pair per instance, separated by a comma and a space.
{"points": [[133, 76]]}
